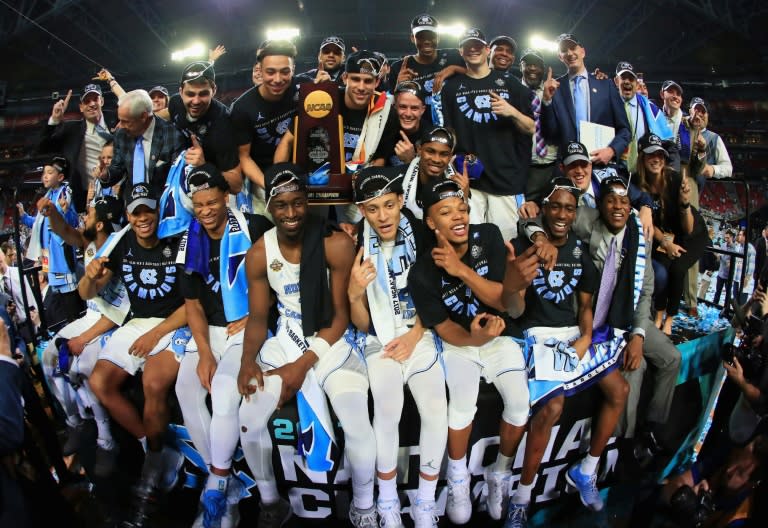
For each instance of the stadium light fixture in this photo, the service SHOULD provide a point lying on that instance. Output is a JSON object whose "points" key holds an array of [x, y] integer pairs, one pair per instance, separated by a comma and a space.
{"points": [[540, 43], [194, 50], [452, 30], [283, 33]]}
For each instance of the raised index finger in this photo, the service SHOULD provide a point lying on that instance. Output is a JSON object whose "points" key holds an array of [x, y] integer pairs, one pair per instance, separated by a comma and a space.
{"points": [[549, 73], [67, 98], [404, 136]]}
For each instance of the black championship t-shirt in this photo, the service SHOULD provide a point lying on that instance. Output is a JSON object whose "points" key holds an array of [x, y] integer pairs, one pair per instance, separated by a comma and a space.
{"points": [[439, 296], [353, 126], [263, 123], [504, 151], [149, 275], [425, 75], [414, 137], [208, 290], [551, 299], [309, 76], [213, 130]]}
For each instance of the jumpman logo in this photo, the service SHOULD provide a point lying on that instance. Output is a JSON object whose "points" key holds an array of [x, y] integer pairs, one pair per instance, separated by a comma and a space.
{"points": [[430, 465]]}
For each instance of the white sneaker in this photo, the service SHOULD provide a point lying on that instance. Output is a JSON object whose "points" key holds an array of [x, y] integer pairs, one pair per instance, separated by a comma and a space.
{"points": [[423, 514], [389, 514], [459, 505], [498, 491], [362, 518]]}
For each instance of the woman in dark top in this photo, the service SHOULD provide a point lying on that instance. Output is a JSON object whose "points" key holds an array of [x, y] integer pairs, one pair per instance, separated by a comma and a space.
{"points": [[680, 234]]}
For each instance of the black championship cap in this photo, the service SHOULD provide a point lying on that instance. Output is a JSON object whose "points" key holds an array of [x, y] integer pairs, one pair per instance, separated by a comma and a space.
{"points": [[561, 183], [439, 191], [141, 194], [504, 39], [423, 22], [575, 151], [335, 41], [566, 37], [89, 89], [108, 209], [472, 34], [625, 67], [59, 163], [531, 55], [666, 85], [438, 135], [698, 101], [160, 89], [363, 61], [650, 143], [198, 70], [282, 178], [411, 87], [610, 185], [206, 176], [372, 182]]}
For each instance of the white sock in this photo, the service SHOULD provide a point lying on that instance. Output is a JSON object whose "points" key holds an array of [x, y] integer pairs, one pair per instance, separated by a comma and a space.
{"points": [[143, 442], [523, 492], [457, 468], [104, 439], [362, 495], [268, 491], [217, 482], [427, 489], [387, 489], [589, 464], [503, 463]]}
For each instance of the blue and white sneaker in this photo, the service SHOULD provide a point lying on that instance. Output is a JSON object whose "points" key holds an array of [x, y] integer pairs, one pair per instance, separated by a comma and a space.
{"points": [[235, 493], [586, 486], [459, 504], [517, 516], [498, 491], [389, 513], [214, 503]]}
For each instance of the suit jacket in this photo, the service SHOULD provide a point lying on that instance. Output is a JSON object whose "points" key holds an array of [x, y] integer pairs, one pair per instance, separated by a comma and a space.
{"points": [[66, 139], [588, 227], [167, 142], [558, 119], [15, 284], [11, 409]]}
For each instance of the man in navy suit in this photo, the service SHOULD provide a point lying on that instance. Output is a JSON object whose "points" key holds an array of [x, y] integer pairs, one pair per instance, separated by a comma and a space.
{"points": [[80, 141], [159, 145], [582, 97]]}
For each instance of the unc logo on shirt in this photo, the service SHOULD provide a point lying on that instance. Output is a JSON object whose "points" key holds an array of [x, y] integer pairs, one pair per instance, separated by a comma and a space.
{"points": [[282, 126], [350, 140], [556, 285], [153, 282], [477, 108], [148, 276]]}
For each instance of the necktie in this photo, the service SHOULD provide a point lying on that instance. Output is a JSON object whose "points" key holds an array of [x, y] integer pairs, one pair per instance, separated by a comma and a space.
{"points": [[632, 148], [589, 200], [6, 285], [579, 102], [138, 162], [538, 137], [102, 132], [607, 283]]}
